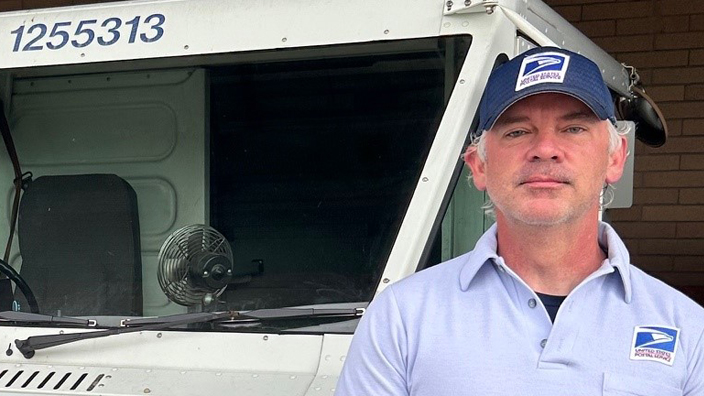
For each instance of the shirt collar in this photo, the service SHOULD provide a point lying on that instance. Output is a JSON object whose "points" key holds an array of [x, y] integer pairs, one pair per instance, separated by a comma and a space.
{"points": [[485, 251], [618, 256]]}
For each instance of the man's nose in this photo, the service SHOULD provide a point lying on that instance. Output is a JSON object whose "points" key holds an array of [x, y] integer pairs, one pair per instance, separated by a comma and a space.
{"points": [[545, 148]]}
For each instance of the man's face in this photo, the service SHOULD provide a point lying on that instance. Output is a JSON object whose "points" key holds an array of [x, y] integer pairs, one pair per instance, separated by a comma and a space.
{"points": [[547, 158]]}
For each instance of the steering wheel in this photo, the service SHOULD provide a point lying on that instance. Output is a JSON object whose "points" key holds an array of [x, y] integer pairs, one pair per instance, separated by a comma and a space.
{"points": [[7, 270]]}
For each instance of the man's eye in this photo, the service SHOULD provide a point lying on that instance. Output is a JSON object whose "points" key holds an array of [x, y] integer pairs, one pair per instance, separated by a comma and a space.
{"points": [[515, 133], [575, 129]]}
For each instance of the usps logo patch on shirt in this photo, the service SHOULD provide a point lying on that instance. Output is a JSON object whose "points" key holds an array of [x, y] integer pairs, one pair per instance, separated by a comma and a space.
{"points": [[655, 343], [546, 67]]}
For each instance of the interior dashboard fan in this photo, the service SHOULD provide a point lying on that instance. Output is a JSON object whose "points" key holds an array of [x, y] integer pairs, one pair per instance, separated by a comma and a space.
{"points": [[194, 265]]}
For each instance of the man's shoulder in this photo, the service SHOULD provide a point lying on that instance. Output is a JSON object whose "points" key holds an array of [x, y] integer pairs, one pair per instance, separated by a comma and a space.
{"points": [[438, 281], [446, 271], [658, 293]]}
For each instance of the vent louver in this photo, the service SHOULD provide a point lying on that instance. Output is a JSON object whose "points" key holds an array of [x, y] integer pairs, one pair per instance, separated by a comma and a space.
{"points": [[49, 380]]}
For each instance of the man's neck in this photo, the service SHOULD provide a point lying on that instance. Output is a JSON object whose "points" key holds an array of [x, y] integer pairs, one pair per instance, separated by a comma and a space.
{"points": [[550, 259]]}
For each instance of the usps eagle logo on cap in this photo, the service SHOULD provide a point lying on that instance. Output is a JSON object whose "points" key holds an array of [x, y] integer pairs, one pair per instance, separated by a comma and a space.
{"points": [[655, 343], [545, 67]]}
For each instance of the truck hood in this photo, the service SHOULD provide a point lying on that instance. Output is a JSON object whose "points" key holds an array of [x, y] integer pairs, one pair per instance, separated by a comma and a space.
{"points": [[174, 363]]}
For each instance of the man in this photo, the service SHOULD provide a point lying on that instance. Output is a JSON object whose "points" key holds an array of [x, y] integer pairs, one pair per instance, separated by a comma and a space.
{"points": [[547, 302]]}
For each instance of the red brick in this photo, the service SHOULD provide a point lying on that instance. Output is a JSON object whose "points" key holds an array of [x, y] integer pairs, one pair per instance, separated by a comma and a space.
{"points": [[677, 279], [679, 7], [688, 263], [642, 230], [653, 263], [682, 109], [646, 76], [680, 75], [674, 179], [666, 93], [571, 13], [692, 162], [647, 25], [655, 196], [693, 126], [696, 22], [597, 28], [678, 145], [696, 57], [674, 213], [10, 5], [690, 230], [657, 162], [681, 247], [629, 214], [694, 92], [692, 195], [674, 127], [641, 149], [632, 10], [677, 23], [679, 40], [650, 59], [626, 43], [637, 179]]}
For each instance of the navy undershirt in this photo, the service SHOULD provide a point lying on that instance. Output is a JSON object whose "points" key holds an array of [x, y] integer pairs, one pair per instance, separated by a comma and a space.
{"points": [[552, 303]]}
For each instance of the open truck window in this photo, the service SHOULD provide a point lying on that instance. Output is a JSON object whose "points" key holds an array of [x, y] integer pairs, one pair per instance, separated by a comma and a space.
{"points": [[304, 164]]}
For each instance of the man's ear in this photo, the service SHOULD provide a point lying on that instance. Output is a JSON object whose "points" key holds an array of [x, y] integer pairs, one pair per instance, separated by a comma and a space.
{"points": [[617, 160], [477, 166]]}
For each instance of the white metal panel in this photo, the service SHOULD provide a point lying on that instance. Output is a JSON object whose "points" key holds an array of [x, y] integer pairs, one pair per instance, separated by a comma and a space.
{"points": [[332, 358], [169, 363], [497, 37], [148, 128], [192, 27], [32, 379], [177, 350]]}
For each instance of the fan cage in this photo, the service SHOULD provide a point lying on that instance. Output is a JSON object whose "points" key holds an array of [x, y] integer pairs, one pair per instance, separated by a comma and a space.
{"points": [[175, 258]]}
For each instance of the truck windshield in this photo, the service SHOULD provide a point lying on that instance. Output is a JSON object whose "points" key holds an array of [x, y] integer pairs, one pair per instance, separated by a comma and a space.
{"points": [[304, 164]]}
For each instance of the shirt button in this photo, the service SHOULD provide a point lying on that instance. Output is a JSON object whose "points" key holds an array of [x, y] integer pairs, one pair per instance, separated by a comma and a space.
{"points": [[543, 342], [532, 303]]}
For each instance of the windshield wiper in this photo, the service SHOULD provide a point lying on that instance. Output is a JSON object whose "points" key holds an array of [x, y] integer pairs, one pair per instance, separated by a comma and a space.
{"points": [[31, 344], [259, 314], [26, 317]]}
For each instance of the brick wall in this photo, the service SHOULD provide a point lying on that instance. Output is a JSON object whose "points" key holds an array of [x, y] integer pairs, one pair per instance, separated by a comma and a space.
{"points": [[664, 39]]}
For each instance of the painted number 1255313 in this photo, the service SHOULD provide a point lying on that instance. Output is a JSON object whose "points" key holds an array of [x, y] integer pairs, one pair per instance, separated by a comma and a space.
{"points": [[108, 32]]}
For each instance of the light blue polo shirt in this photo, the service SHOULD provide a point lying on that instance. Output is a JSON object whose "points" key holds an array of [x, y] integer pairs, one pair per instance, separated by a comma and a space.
{"points": [[471, 326]]}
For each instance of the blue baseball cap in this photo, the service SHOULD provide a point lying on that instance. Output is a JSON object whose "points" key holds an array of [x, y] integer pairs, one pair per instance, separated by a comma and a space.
{"points": [[543, 70]]}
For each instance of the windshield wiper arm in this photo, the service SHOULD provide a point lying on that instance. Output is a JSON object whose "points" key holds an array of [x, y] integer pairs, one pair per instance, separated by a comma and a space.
{"points": [[259, 314], [26, 317], [29, 345]]}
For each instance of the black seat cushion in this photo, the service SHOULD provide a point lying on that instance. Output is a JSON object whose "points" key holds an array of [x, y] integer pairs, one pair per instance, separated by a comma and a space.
{"points": [[79, 242]]}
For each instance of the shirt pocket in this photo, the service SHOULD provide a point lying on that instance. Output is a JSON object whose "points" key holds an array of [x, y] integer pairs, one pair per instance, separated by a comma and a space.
{"points": [[626, 385]]}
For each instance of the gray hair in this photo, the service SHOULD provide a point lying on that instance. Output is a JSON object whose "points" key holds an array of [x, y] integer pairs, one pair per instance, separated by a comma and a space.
{"points": [[621, 128]]}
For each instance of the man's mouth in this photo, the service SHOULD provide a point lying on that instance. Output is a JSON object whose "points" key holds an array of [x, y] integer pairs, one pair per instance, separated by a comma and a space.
{"points": [[544, 181]]}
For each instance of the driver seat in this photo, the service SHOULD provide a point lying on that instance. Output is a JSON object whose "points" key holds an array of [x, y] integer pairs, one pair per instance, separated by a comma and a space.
{"points": [[79, 241]]}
